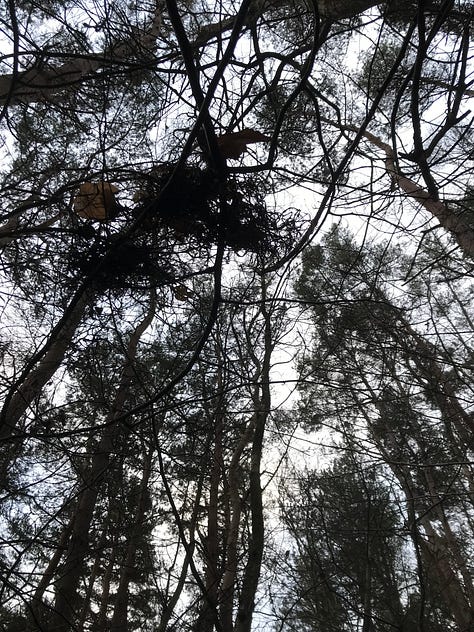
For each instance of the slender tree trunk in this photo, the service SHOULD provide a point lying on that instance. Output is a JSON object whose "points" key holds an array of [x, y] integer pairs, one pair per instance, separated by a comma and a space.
{"points": [[367, 624], [452, 544], [232, 537], [212, 575], [37, 373], [174, 598], [434, 548], [189, 544], [37, 606], [431, 374], [246, 607], [262, 403], [436, 381], [42, 366], [102, 621], [86, 606], [120, 614], [434, 559], [438, 565], [67, 598], [211, 548]]}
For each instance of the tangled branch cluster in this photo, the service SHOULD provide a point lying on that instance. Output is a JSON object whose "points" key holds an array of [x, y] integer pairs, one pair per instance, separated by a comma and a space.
{"points": [[194, 204], [182, 210]]}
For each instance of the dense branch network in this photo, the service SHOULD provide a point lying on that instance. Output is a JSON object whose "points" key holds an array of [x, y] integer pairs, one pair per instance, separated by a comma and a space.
{"points": [[216, 403]]}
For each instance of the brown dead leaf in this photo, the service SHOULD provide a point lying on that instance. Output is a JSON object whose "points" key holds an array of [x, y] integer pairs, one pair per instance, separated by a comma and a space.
{"points": [[181, 292], [96, 200], [234, 144]]}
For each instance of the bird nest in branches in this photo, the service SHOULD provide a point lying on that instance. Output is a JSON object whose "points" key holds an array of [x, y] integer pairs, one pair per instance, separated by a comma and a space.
{"points": [[186, 210], [125, 262], [192, 203]]}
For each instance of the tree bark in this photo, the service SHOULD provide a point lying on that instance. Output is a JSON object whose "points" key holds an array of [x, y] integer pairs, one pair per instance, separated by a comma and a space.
{"points": [[102, 622], [436, 556], [232, 536], [436, 552], [86, 605], [435, 380], [211, 545], [35, 85], [341, 9], [36, 374]]}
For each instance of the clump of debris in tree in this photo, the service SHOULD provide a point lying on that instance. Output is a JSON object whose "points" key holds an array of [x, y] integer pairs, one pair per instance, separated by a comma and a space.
{"points": [[192, 203], [189, 206], [117, 262]]}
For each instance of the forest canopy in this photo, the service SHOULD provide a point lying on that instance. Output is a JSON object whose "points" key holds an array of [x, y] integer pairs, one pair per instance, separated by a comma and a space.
{"points": [[236, 259]]}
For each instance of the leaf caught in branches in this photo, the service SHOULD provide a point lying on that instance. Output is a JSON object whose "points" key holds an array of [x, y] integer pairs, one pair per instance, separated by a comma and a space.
{"points": [[234, 144], [96, 201]]}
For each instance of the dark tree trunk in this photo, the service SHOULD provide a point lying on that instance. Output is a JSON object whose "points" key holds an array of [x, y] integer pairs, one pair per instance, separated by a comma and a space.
{"points": [[120, 614], [67, 597]]}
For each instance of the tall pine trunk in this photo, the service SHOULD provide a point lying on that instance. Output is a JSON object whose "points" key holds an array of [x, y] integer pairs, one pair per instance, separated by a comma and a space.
{"points": [[67, 600], [120, 614]]}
